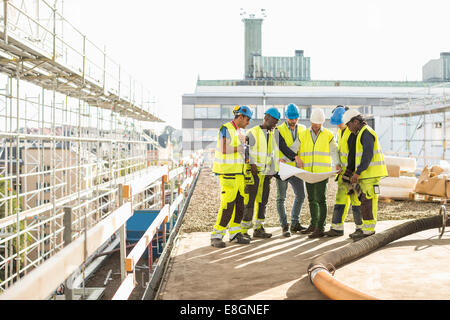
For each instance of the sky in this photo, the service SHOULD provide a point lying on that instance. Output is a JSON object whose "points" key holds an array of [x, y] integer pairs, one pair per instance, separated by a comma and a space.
{"points": [[168, 44]]}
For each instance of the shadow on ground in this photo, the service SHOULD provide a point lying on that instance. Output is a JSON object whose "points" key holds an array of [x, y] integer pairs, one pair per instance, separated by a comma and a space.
{"points": [[274, 268]]}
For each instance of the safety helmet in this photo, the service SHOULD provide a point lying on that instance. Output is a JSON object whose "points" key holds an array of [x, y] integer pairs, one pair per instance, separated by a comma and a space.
{"points": [[244, 110], [336, 117], [317, 116], [273, 112], [292, 112], [349, 115]]}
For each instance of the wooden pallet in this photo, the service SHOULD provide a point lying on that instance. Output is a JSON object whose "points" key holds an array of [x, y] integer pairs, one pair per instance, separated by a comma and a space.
{"points": [[426, 198]]}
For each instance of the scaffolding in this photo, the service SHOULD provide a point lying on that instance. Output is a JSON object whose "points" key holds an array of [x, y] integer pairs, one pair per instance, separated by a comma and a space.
{"points": [[420, 127], [73, 127]]}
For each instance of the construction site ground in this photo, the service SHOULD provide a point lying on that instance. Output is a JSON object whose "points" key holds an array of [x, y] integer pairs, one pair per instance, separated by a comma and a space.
{"points": [[414, 267]]}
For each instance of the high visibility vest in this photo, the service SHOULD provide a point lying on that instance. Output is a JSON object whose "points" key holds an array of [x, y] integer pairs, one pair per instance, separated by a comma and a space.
{"points": [[343, 147], [262, 153], [285, 132], [228, 163], [377, 166], [316, 156]]}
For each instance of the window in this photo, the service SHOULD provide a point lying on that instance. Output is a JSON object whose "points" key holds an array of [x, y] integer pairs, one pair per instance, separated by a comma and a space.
{"points": [[209, 134], [200, 113], [209, 111], [260, 112], [227, 111], [213, 112], [302, 110]]}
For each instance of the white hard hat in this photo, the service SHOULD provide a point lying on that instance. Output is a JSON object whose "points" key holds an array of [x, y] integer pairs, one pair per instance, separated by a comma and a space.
{"points": [[349, 115], [317, 116]]}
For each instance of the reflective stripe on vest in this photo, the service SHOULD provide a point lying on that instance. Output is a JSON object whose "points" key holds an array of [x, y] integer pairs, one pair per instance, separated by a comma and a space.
{"points": [[285, 132], [377, 166], [231, 162], [316, 156], [262, 153], [343, 147]]}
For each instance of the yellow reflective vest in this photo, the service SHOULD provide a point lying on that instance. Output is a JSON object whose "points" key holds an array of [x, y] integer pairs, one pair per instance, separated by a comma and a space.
{"points": [[343, 147], [262, 153], [228, 163], [377, 166], [316, 156], [285, 132]]}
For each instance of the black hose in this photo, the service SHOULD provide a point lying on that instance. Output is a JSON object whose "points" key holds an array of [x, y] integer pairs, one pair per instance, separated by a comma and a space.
{"points": [[334, 259]]}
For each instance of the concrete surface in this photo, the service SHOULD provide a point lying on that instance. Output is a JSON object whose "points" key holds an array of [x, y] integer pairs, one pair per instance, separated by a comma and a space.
{"points": [[414, 267]]}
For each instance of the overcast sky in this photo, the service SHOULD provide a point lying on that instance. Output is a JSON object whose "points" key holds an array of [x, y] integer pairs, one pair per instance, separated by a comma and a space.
{"points": [[168, 44]]}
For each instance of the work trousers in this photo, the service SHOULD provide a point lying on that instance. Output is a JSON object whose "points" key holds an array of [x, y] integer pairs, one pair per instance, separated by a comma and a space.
{"points": [[342, 206], [369, 204], [317, 198], [255, 208], [299, 191], [232, 202]]}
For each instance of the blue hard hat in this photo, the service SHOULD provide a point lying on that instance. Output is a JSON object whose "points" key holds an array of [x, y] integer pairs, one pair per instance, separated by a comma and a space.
{"points": [[292, 112], [244, 110], [273, 112], [336, 117]]}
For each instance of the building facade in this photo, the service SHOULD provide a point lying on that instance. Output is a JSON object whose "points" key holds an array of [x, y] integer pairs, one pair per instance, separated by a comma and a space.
{"points": [[437, 70]]}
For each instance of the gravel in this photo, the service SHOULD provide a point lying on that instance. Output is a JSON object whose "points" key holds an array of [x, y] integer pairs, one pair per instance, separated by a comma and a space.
{"points": [[205, 201]]}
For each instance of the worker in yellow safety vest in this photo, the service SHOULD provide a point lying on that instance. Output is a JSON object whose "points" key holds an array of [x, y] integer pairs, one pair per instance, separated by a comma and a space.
{"points": [[366, 167], [262, 166], [318, 151], [287, 138], [343, 199], [228, 164]]}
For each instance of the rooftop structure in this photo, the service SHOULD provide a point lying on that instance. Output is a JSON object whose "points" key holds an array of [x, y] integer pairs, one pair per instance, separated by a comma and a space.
{"points": [[437, 70]]}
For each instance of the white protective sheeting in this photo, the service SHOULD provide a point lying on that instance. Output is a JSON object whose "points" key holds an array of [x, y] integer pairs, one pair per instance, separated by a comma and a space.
{"points": [[406, 164], [399, 182], [394, 192], [287, 171]]}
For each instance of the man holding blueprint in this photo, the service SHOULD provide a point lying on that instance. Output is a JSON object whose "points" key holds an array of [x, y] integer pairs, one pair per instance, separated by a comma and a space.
{"points": [[318, 150]]}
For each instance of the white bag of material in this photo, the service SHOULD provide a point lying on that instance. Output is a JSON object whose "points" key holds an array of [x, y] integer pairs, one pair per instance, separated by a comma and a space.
{"points": [[394, 192], [406, 164], [399, 182], [445, 166]]}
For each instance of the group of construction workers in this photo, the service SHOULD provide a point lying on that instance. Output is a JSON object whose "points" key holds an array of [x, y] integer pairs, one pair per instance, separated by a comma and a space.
{"points": [[246, 162]]}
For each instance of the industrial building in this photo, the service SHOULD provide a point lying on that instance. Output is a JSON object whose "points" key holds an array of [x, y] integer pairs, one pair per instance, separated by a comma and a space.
{"points": [[276, 82]]}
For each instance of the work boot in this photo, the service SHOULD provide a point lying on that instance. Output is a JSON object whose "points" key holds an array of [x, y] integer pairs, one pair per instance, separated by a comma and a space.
{"points": [[356, 233], [297, 227], [307, 230], [261, 233], [361, 236], [239, 237], [334, 233], [317, 233], [246, 235], [218, 243], [286, 232]]}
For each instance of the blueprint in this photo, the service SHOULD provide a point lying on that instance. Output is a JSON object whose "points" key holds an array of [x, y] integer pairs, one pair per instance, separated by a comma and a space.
{"points": [[287, 171]]}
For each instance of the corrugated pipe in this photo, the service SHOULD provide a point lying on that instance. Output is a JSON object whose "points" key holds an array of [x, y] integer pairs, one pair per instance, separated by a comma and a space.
{"points": [[321, 269]]}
